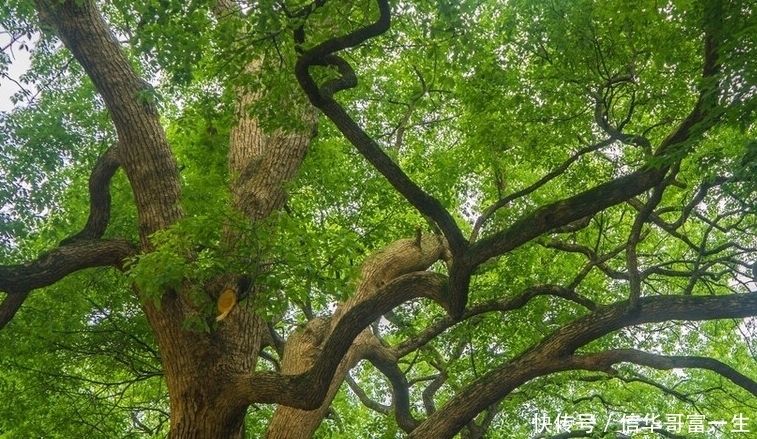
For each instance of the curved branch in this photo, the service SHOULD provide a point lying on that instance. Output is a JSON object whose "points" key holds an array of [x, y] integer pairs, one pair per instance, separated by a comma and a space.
{"points": [[99, 216], [307, 390], [502, 305], [308, 346], [502, 202], [409, 286], [322, 97], [62, 261], [639, 378], [386, 363], [554, 353], [565, 212], [365, 399], [99, 198], [605, 360]]}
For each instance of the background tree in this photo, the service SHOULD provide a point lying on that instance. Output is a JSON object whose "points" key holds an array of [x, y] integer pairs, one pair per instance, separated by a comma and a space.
{"points": [[477, 215]]}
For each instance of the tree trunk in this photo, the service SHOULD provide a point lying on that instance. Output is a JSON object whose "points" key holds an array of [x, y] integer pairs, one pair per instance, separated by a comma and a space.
{"points": [[190, 420], [197, 365]]}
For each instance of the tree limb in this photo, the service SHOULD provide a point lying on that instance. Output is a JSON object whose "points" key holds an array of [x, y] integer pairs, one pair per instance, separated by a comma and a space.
{"points": [[554, 353], [322, 97], [702, 116], [62, 261], [10, 306], [99, 198], [18, 278], [502, 202], [143, 150], [386, 363], [501, 305], [605, 360], [307, 390], [365, 399]]}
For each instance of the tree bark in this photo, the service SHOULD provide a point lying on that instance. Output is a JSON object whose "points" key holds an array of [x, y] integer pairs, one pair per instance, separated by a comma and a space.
{"points": [[304, 348], [142, 149], [262, 163], [197, 366]]}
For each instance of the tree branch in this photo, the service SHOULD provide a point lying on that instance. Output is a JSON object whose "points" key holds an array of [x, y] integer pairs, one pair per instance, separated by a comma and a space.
{"points": [[386, 363], [501, 305], [703, 115], [99, 198], [307, 390], [322, 97], [10, 306], [605, 360], [18, 278], [143, 150], [62, 261], [365, 399], [554, 352], [320, 354], [632, 261], [502, 202]]}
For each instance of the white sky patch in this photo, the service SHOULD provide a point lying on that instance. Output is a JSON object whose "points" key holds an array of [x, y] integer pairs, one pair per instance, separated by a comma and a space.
{"points": [[20, 61]]}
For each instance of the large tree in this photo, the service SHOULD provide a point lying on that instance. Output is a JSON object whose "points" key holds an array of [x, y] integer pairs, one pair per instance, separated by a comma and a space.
{"points": [[468, 213]]}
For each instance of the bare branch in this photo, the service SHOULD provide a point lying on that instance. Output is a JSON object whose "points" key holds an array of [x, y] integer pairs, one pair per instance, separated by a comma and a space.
{"points": [[605, 360], [99, 198], [62, 261], [324, 54]]}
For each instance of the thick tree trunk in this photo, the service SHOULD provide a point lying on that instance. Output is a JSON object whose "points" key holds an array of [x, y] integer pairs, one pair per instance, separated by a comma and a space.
{"points": [[262, 163], [197, 365], [189, 420]]}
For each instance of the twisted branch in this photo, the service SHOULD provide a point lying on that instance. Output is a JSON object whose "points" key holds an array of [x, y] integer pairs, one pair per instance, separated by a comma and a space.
{"points": [[62, 261], [324, 54]]}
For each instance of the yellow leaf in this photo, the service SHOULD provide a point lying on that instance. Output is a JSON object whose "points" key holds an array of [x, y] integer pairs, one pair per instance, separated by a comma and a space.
{"points": [[226, 302]]}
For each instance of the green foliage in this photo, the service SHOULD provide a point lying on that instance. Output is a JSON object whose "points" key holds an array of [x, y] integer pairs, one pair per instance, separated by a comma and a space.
{"points": [[90, 368], [185, 252]]}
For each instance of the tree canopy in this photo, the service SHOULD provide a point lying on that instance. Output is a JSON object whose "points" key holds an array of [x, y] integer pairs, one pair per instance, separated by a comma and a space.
{"points": [[337, 219]]}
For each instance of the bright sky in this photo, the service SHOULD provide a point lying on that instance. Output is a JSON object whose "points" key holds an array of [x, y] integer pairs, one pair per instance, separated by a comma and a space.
{"points": [[19, 65]]}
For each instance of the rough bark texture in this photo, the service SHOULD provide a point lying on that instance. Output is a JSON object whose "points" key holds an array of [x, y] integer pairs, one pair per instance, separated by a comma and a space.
{"points": [[304, 348], [142, 150], [197, 365], [262, 163]]}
